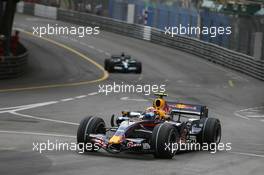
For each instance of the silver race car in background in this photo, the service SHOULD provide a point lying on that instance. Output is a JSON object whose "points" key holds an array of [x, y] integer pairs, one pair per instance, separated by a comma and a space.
{"points": [[122, 63]]}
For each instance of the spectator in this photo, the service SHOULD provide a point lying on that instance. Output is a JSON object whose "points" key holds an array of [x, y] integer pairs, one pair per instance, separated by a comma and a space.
{"points": [[14, 42], [88, 8], [99, 9]]}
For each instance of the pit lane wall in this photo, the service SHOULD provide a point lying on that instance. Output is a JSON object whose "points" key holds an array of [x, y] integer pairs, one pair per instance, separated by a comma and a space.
{"points": [[211, 52]]}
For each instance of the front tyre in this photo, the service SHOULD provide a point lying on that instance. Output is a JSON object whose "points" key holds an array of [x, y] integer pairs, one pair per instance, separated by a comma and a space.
{"points": [[89, 125], [164, 139]]}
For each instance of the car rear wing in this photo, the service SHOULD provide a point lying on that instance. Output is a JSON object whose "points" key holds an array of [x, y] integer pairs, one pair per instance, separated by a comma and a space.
{"points": [[191, 109]]}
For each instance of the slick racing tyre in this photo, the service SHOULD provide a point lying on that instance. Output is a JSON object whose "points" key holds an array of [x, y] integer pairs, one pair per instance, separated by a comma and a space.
{"points": [[211, 132], [164, 138], [89, 125], [139, 68], [108, 65]]}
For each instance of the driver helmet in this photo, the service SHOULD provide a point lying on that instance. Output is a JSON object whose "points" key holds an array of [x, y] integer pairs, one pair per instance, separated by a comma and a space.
{"points": [[122, 54], [150, 113]]}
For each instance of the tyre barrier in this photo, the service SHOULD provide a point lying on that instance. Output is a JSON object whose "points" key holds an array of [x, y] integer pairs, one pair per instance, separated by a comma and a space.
{"points": [[14, 66]]}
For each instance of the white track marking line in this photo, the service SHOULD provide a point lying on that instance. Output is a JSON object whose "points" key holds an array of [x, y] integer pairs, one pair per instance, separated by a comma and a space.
{"points": [[90, 46], [107, 54], [241, 116], [255, 116], [93, 93], [81, 96], [36, 105], [248, 154], [44, 119], [100, 50], [15, 109], [132, 99], [24, 107], [253, 108], [37, 133], [7, 148], [67, 99], [248, 110]]}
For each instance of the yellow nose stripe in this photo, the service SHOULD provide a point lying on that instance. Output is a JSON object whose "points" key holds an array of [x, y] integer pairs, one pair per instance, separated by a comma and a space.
{"points": [[115, 140]]}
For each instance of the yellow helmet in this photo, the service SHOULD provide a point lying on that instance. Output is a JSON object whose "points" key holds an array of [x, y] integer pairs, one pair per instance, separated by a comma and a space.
{"points": [[159, 103]]}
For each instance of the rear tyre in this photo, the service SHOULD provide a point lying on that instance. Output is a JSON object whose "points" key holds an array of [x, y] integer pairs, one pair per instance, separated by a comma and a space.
{"points": [[89, 125], [113, 121], [164, 136], [139, 68], [106, 64], [211, 132]]}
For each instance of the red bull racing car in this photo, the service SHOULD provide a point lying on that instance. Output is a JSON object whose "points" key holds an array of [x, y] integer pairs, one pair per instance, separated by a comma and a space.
{"points": [[153, 130]]}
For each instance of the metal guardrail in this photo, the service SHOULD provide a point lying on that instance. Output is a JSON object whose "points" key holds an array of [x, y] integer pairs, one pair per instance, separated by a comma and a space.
{"points": [[225, 57], [211, 52], [29, 8], [14, 66], [107, 24]]}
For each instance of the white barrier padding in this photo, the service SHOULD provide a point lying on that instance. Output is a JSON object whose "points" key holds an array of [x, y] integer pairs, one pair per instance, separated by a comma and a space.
{"points": [[39, 10], [45, 11], [20, 7], [257, 45], [147, 33], [130, 13]]}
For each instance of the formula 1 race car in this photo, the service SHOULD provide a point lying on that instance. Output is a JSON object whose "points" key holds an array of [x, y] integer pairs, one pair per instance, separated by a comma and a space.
{"points": [[122, 63], [153, 130]]}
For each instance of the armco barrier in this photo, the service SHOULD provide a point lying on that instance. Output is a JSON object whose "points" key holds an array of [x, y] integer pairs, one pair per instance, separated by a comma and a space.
{"points": [[116, 26], [28, 8], [225, 57], [14, 66], [45, 11]]}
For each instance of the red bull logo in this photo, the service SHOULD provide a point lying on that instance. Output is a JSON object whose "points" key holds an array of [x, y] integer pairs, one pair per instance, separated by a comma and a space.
{"points": [[184, 106]]}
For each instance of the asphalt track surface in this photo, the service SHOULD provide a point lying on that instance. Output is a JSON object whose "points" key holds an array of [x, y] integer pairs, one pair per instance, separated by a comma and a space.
{"points": [[56, 101]]}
